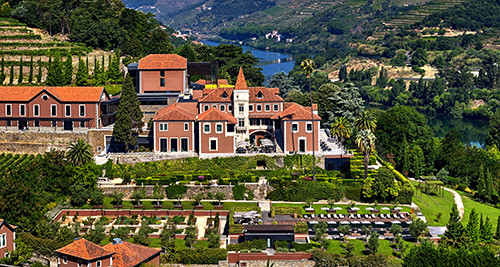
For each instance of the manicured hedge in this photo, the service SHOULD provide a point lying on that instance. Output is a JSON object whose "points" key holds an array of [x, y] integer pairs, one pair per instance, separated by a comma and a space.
{"points": [[196, 256], [259, 244]]}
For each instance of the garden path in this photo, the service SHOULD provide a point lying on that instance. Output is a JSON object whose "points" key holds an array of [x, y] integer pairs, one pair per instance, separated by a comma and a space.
{"points": [[201, 222], [458, 201]]}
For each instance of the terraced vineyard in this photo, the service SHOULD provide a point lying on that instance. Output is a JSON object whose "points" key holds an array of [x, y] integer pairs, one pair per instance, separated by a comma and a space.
{"points": [[415, 15], [17, 41], [11, 161]]}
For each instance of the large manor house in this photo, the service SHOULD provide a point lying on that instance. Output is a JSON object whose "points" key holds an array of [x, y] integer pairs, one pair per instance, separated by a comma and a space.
{"points": [[208, 117]]}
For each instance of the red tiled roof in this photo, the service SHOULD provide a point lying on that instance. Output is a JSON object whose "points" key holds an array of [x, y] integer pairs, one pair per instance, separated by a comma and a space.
{"points": [[85, 250], [163, 61], [215, 95], [267, 95], [240, 81], [219, 82], [177, 112], [294, 111], [129, 255], [12, 227], [214, 114], [65, 94], [275, 91]]}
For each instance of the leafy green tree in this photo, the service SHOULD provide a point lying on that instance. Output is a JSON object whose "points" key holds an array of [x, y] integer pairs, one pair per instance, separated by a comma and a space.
{"points": [[96, 197], [454, 228], [141, 237], [348, 102], [96, 234], [497, 235], [68, 70], [224, 75], [190, 236], [158, 193], [55, 72], [472, 230], [128, 117], [30, 76], [417, 228], [121, 232], [79, 195], [365, 141], [282, 81], [213, 240], [373, 243], [344, 229], [5, 10], [417, 162], [366, 121], [341, 128], [11, 74], [80, 153], [82, 73], [187, 51], [486, 229], [167, 235], [114, 71], [343, 73], [219, 196], [117, 198], [320, 230], [383, 78], [494, 131], [39, 73], [419, 57], [399, 59], [21, 73], [395, 229]]}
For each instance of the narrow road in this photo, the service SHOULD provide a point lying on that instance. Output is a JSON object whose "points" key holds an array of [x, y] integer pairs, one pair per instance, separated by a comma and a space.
{"points": [[458, 201]]}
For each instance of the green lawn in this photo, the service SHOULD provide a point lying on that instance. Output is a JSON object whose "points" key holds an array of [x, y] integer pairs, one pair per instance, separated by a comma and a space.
{"points": [[435, 205], [385, 247], [486, 210], [188, 205], [317, 208], [156, 242]]}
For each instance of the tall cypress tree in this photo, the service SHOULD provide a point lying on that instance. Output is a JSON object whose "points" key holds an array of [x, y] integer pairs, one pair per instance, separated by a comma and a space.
{"points": [[30, 76], [55, 74], [11, 75], [68, 70], [114, 72], [2, 71], [21, 74], [481, 182], [454, 228], [128, 117], [82, 73], [494, 132], [40, 72], [97, 72], [472, 230], [498, 229], [486, 229]]}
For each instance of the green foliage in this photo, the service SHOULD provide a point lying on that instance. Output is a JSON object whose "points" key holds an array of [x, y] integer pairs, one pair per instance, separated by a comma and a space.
{"points": [[175, 191], [373, 243], [259, 244], [240, 192], [282, 81], [472, 230], [417, 228], [196, 256], [68, 71], [128, 117], [96, 234], [301, 190], [141, 237], [494, 131], [80, 153], [454, 228], [121, 232], [21, 73], [55, 72]]}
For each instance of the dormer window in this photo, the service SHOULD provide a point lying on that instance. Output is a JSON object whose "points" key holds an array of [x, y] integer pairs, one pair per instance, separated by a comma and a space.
{"points": [[224, 95], [259, 94]]}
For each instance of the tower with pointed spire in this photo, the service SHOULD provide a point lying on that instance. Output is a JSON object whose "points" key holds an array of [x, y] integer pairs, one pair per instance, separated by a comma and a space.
{"points": [[240, 111]]}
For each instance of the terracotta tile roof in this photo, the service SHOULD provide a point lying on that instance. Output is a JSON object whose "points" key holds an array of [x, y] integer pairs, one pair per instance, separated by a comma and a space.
{"points": [[219, 82], [241, 83], [216, 95], [65, 94], [275, 91], [294, 111], [163, 61], [267, 95], [129, 255], [85, 250], [177, 112], [214, 114]]}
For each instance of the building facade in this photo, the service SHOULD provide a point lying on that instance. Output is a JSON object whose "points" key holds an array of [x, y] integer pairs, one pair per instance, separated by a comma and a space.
{"points": [[56, 108], [7, 237], [224, 119]]}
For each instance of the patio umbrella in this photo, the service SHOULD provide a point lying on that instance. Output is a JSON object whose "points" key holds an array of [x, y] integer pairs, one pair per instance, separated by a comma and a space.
{"points": [[345, 222], [337, 208], [366, 222], [369, 208], [313, 222], [266, 142], [398, 208], [385, 208], [379, 223], [355, 222], [332, 222], [355, 208], [243, 144], [325, 208], [395, 222]]}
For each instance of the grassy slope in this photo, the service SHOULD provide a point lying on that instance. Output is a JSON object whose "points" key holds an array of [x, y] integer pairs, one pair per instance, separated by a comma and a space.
{"points": [[385, 247], [437, 205], [486, 210]]}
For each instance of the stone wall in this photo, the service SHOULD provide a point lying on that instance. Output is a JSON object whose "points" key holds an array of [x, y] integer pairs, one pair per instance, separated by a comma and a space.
{"points": [[193, 190], [28, 142], [132, 158]]}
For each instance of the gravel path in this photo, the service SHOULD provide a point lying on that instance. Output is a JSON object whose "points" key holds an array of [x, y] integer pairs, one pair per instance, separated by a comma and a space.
{"points": [[458, 201]]}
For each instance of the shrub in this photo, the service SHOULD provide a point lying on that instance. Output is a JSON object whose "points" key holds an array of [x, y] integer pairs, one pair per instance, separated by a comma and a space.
{"points": [[259, 244], [175, 191], [301, 228], [195, 256]]}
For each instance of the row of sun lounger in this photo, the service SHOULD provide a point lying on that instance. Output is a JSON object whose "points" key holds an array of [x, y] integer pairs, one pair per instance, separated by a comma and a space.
{"points": [[356, 216]]}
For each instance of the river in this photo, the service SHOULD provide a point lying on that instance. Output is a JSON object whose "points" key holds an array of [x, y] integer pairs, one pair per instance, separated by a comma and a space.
{"points": [[473, 132], [270, 62]]}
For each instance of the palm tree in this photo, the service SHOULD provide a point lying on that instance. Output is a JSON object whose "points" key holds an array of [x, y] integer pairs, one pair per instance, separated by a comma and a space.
{"points": [[308, 67], [80, 153], [341, 128], [365, 141], [366, 121]]}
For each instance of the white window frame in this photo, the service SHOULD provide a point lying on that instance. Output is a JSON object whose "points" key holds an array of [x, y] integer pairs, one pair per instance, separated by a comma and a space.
{"points": [[65, 259], [259, 107], [221, 128], [307, 124], [241, 120], [22, 114], [79, 263], [180, 144], [241, 108], [53, 105], [84, 111], [230, 107], [250, 107], [186, 126], [305, 144], [65, 113], [295, 123], [170, 144], [159, 141], [163, 126], [35, 113], [210, 144], [204, 127], [267, 107], [6, 113], [276, 107], [3, 240], [98, 264], [223, 108]]}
